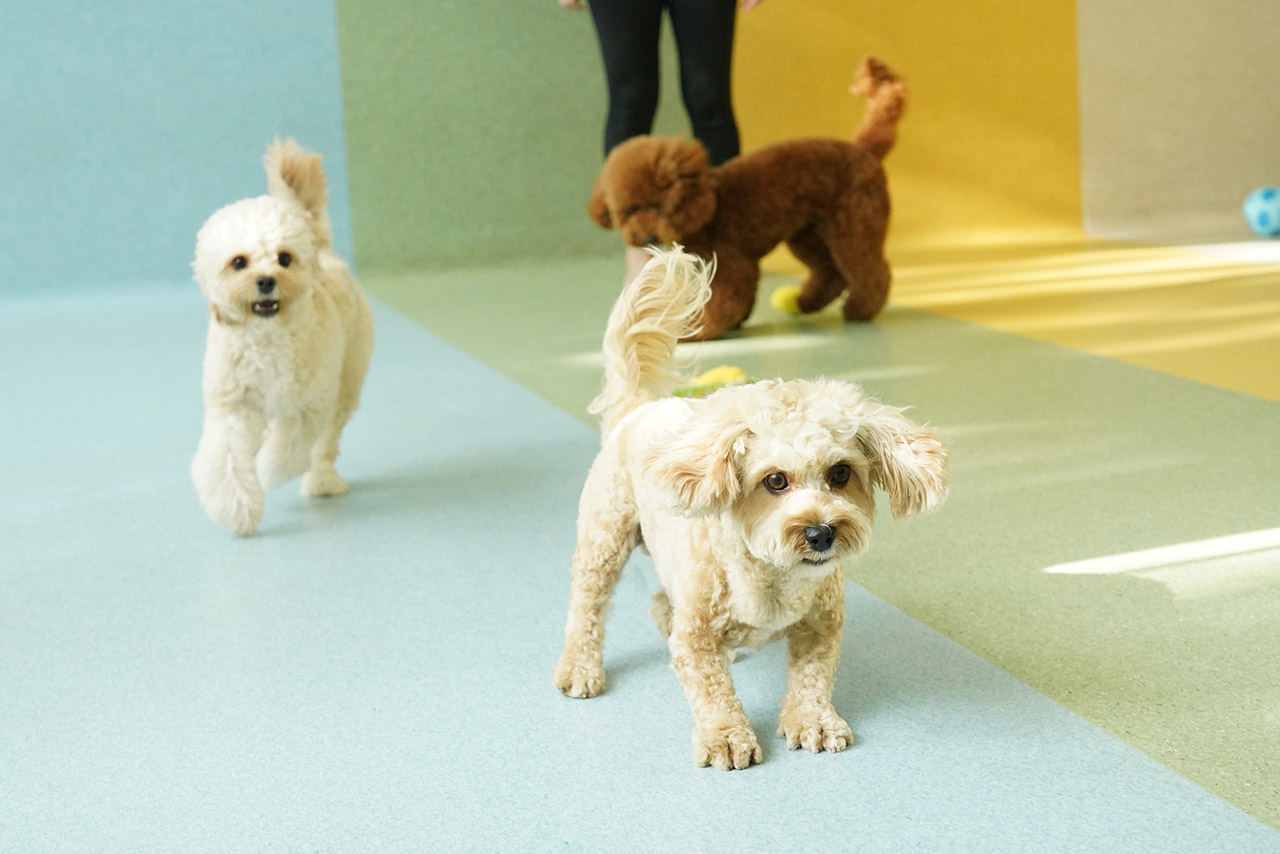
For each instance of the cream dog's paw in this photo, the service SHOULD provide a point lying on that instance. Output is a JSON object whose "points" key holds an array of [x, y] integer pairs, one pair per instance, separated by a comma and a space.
{"points": [[814, 727], [579, 678], [727, 746], [323, 481]]}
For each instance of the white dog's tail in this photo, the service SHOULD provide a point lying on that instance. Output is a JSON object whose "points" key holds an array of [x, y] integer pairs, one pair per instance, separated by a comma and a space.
{"points": [[659, 307], [297, 175]]}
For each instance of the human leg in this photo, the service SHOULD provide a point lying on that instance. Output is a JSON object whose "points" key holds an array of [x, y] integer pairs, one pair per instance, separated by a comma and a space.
{"points": [[628, 33], [704, 39]]}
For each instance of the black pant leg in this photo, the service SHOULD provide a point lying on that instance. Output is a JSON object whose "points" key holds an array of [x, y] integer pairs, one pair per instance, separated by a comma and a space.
{"points": [[704, 38], [628, 32]]}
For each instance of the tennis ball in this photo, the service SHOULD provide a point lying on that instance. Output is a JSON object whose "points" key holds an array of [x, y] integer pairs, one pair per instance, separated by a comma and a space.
{"points": [[786, 298]]}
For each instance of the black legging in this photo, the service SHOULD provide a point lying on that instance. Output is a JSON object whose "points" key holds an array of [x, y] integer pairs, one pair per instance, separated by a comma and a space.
{"points": [[628, 31]]}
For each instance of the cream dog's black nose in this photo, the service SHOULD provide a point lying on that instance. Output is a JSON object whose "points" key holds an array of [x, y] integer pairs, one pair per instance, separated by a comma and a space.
{"points": [[266, 284], [820, 537]]}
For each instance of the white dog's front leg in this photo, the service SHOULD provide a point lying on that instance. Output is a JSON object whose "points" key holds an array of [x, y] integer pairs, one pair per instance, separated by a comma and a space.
{"points": [[807, 718], [722, 734], [284, 454], [224, 472]]}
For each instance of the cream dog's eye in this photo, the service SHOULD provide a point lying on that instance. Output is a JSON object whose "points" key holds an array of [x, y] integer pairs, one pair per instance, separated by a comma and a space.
{"points": [[285, 259], [839, 474], [239, 262], [775, 482]]}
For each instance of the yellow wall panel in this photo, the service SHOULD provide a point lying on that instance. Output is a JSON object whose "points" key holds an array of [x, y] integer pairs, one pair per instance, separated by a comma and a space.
{"points": [[989, 150]]}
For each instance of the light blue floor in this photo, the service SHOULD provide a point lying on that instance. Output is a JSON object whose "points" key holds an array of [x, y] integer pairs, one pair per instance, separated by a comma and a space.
{"points": [[372, 673]]}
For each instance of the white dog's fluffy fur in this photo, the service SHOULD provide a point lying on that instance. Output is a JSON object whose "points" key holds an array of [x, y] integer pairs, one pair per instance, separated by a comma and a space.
{"points": [[749, 501], [290, 334]]}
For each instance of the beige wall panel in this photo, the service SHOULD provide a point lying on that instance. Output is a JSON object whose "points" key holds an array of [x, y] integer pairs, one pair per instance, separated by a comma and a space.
{"points": [[1180, 115]]}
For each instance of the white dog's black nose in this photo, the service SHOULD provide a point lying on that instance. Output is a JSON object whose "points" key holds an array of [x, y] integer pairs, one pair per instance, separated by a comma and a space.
{"points": [[820, 537], [266, 284]]}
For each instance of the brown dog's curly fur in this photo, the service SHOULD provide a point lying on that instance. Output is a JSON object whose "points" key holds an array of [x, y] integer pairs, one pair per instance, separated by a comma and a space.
{"points": [[826, 198]]}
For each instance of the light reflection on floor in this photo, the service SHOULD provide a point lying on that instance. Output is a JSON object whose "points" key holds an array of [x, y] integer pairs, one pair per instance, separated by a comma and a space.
{"points": [[1209, 313], [1194, 569]]}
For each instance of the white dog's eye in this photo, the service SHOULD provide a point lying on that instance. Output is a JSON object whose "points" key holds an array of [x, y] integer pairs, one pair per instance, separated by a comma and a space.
{"points": [[285, 259], [839, 475], [239, 262], [775, 481]]}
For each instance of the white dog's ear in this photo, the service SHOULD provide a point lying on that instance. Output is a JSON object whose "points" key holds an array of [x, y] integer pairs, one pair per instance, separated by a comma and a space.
{"points": [[697, 472], [908, 461]]}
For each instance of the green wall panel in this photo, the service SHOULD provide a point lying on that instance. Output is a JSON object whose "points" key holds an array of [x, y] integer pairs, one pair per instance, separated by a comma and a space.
{"points": [[474, 129]]}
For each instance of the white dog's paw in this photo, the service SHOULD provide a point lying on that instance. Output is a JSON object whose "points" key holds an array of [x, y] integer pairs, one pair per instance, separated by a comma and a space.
{"points": [[244, 521], [814, 727], [577, 677], [729, 745], [237, 511], [323, 481], [235, 505]]}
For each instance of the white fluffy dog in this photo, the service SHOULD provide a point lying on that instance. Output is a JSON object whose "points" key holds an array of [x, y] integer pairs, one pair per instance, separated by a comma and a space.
{"points": [[749, 501], [290, 334]]}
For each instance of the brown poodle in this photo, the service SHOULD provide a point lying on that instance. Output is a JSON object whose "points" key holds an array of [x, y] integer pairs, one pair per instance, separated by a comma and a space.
{"points": [[826, 198]]}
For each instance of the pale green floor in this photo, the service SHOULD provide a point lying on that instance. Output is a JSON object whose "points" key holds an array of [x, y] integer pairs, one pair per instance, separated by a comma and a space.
{"points": [[1058, 456]]}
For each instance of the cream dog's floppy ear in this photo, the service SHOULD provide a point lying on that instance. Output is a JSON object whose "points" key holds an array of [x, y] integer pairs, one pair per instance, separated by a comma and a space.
{"points": [[697, 472], [907, 461]]}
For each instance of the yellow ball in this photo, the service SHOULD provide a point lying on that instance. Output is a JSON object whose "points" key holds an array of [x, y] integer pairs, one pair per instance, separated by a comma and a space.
{"points": [[721, 375], [786, 299]]}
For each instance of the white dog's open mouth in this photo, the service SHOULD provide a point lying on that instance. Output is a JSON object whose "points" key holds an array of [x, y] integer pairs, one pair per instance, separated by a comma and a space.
{"points": [[816, 561], [266, 307]]}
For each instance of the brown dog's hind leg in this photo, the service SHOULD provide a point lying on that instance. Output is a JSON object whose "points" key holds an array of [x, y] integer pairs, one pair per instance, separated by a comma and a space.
{"points": [[825, 282], [869, 292], [856, 243]]}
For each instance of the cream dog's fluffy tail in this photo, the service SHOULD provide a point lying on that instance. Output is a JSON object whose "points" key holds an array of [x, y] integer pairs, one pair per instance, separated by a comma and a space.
{"points": [[297, 175], [660, 306], [886, 96]]}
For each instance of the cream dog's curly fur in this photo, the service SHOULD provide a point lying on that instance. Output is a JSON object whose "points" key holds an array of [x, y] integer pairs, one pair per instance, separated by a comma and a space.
{"points": [[749, 501], [290, 335]]}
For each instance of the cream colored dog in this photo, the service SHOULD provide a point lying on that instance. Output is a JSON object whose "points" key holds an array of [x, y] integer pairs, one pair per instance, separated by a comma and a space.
{"points": [[749, 501], [290, 334]]}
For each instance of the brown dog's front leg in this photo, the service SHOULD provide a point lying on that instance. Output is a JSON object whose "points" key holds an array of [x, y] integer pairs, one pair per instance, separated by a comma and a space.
{"points": [[733, 295], [722, 735], [807, 718]]}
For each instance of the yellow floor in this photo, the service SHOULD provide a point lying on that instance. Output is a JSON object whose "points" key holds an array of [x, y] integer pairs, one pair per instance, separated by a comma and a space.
{"points": [[1204, 313]]}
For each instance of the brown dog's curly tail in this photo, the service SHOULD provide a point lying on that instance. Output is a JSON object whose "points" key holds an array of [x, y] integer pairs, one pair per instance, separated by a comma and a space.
{"points": [[886, 96], [661, 305]]}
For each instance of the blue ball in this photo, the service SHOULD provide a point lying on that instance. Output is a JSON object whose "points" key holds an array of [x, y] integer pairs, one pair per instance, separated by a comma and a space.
{"points": [[1262, 211]]}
